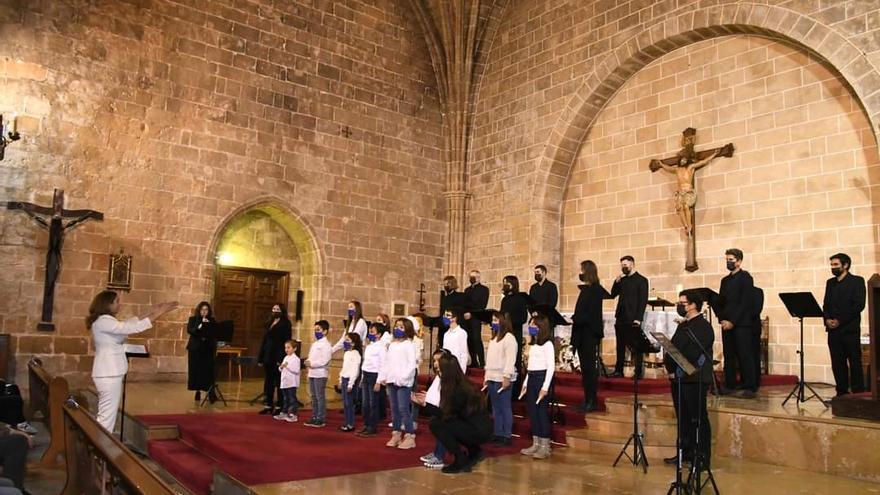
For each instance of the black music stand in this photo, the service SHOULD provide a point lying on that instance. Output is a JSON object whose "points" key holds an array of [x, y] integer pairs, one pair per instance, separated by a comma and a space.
{"points": [[131, 351], [639, 344], [802, 305], [217, 331]]}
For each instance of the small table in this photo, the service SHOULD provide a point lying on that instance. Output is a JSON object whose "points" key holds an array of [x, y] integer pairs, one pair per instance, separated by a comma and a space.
{"points": [[232, 351]]}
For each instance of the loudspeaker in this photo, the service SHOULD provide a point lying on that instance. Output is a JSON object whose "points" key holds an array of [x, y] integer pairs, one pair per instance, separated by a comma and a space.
{"points": [[300, 295]]}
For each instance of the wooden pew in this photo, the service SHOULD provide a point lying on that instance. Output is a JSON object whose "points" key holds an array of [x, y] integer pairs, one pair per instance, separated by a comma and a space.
{"points": [[47, 395], [97, 462]]}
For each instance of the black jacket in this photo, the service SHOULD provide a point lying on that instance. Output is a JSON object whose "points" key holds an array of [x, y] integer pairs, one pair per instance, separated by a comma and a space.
{"points": [[544, 294], [199, 341], [844, 301], [272, 348], [587, 317], [632, 298], [737, 293], [515, 306], [701, 330], [478, 296]]}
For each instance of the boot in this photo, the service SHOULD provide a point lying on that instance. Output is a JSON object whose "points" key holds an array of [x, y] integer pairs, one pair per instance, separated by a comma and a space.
{"points": [[395, 439], [531, 450], [409, 442], [543, 450]]}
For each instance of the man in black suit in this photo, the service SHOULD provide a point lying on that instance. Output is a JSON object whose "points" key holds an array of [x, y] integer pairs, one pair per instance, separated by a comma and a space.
{"points": [[478, 297], [844, 302], [694, 337], [450, 298], [543, 291], [631, 290], [737, 327]]}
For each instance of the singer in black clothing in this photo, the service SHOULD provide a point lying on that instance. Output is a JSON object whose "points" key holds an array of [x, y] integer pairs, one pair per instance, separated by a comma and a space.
{"points": [[278, 331], [694, 338], [631, 290], [543, 291], [200, 351], [515, 305], [844, 302], [587, 331], [737, 332], [478, 297], [450, 297]]}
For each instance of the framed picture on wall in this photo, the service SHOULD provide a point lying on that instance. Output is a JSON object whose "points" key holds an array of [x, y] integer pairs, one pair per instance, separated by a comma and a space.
{"points": [[119, 277], [399, 309]]}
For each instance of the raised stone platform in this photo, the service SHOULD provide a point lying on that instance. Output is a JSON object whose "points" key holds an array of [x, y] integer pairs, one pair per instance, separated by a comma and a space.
{"points": [[806, 437]]}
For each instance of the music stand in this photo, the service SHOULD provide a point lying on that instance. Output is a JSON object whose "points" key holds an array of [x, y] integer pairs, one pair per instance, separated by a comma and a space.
{"points": [[131, 351], [802, 305], [217, 331], [639, 344]]}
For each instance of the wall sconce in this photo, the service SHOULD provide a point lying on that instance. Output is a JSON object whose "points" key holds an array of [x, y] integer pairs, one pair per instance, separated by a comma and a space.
{"points": [[7, 136]]}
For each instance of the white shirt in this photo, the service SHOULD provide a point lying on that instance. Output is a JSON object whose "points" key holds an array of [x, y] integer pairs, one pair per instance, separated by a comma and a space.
{"points": [[108, 335], [374, 355], [386, 339], [351, 367], [541, 358], [319, 359], [420, 346], [399, 367], [290, 373], [455, 341], [432, 396], [501, 359], [359, 327]]}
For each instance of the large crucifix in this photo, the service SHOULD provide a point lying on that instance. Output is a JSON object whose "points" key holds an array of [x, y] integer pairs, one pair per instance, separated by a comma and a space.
{"points": [[52, 218], [684, 165]]}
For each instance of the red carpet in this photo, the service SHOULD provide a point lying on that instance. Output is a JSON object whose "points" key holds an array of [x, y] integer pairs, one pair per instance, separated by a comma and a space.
{"points": [[258, 449]]}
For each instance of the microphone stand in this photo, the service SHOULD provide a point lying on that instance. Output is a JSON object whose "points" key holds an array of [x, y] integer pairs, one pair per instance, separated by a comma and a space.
{"points": [[697, 466]]}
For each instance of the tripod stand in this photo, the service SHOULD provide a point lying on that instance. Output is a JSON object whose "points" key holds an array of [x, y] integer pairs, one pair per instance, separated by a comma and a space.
{"points": [[695, 481], [636, 438], [214, 389], [802, 305], [217, 331]]}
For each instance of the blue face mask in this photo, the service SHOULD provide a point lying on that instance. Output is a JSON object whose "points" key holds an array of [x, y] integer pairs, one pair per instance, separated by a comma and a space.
{"points": [[446, 321], [319, 335], [371, 337], [350, 313], [533, 331], [399, 333], [496, 327], [346, 346]]}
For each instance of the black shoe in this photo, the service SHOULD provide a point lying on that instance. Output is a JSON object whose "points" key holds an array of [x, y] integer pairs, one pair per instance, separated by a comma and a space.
{"points": [[671, 460], [266, 410], [746, 394], [474, 458], [505, 441], [616, 374], [725, 391], [455, 468], [198, 395]]}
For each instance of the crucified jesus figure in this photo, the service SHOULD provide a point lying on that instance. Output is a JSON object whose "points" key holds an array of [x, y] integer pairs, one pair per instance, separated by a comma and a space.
{"points": [[684, 165]]}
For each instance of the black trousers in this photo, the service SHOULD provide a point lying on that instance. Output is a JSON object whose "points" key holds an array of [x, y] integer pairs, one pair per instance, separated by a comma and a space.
{"points": [[12, 406], [740, 356], [846, 361], [272, 387], [625, 335], [475, 343], [756, 343], [13, 457], [695, 421], [588, 355], [454, 433]]}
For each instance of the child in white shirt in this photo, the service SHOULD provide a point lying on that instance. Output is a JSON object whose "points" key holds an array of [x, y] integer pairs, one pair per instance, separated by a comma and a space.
{"points": [[398, 375], [541, 365], [374, 357], [290, 372], [348, 377], [318, 364]]}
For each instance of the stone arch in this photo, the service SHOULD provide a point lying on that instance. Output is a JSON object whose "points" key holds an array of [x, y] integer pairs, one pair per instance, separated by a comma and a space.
{"points": [[681, 28], [311, 259]]}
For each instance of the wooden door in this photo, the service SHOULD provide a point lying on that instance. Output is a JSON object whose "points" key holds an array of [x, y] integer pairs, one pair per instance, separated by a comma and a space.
{"points": [[246, 296]]}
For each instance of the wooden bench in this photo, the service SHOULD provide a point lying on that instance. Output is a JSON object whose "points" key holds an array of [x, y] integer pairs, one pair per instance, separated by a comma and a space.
{"points": [[47, 395], [97, 462]]}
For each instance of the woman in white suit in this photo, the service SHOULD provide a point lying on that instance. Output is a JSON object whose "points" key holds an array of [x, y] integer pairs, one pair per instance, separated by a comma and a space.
{"points": [[108, 335]]}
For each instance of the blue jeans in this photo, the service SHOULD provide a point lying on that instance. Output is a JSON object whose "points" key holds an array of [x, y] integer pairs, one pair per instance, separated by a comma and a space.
{"points": [[401, 412], [347, 403], [318, 389], [289, 396], [370, 406], [502, 409], [539, 414]]}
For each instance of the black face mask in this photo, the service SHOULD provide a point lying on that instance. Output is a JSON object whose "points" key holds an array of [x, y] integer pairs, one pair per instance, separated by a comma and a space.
{"points": [[582, 277], [472, 280], [447, 288], [538, 277], [626, 270], [276, 314], [507, 289], [836, 271], [680, 308], [731, 266]]}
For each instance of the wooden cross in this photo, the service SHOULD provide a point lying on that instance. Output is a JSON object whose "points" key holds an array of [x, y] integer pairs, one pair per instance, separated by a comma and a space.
{"points": [[422, 293], [684, 165], [56, 226]]}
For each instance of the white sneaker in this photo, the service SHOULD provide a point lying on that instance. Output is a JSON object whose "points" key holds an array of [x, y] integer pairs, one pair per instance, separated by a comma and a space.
{"points": [[435, 464], [429, 457], [280, 416], [26, 427], [291, 418]]}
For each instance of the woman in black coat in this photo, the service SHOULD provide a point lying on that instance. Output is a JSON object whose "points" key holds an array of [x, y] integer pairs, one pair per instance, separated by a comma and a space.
{"points": [[278, 331], [200, 351], [515, 304], [588, 330]]}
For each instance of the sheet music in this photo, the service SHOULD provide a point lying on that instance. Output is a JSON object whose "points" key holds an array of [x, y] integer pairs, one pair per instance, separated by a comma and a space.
{"points": [[135, 349]]}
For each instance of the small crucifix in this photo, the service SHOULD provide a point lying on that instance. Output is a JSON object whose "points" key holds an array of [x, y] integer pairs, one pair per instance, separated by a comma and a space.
{"points": [[684, 165], [56, 226], [422, 293]]}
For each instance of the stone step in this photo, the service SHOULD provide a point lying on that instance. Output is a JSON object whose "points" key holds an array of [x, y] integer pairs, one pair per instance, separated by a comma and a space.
{"points": [[662, 430], [652, 408], [612, 444]]}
